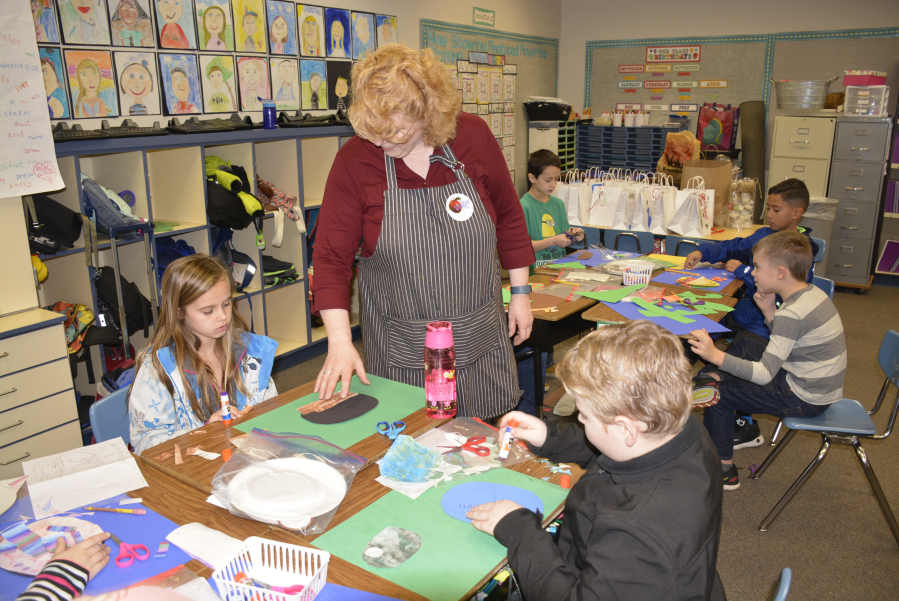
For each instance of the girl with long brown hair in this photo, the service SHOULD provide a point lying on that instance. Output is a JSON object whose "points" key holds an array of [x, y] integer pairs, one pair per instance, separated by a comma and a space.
{"points": [[200, 348]]}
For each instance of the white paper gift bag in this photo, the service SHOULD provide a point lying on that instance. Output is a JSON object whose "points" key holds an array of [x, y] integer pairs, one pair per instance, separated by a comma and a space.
{"points": [[654, 197], [583, 192], [693, 210], [604, 202]]}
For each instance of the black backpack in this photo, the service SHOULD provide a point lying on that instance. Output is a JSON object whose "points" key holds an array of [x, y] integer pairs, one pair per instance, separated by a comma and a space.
{"points": [[60, 227], [224, 208], [138, 311]]}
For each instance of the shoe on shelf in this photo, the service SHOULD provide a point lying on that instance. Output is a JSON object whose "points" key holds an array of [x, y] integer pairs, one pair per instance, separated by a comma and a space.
{"points": [[747, 434], [731, 479]]}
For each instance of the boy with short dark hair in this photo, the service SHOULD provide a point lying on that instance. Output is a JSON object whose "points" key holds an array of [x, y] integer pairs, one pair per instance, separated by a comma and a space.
{"points": [[798, 372], [546, 216], [644, 520], [787, 202]]}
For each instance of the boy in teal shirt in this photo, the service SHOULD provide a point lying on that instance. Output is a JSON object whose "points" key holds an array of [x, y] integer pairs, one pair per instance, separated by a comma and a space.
{"points": [[546, 216]]}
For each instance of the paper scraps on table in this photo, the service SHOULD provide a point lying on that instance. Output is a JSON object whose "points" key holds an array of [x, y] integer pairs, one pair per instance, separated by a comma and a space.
{"points": [[237, 441], [675, 261], [693, 297], [131, 501], [164, 456], [178, 459], [218, 436], [571, 265], [409, 461], [391, 547], [615, 295], [702, 282], [324, 404], [585, 276], [196, 432], [163, 549], [197, 450], [545, 478]]}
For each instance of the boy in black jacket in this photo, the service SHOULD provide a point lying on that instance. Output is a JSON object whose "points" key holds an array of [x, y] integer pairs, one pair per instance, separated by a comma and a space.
{"points": [[644, 521]]}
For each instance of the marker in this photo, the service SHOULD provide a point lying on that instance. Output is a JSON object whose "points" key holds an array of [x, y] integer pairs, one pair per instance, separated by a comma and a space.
{"points": [[116, 510]]}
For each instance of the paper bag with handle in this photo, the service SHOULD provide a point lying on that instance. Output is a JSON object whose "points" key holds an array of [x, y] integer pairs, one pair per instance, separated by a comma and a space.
{"points": [[692, 210], [717, 176]]}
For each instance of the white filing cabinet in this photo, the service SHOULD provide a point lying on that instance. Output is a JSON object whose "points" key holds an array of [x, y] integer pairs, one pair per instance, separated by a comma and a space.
{"points": [[801, 149], [38, 412]]}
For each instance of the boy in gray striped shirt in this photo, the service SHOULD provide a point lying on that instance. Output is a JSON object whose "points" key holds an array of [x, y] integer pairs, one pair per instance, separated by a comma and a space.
{"points": [[801, 369]]}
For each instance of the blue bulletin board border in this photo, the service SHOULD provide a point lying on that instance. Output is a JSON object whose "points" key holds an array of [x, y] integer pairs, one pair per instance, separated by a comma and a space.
{"points": [[428, 26], [724, 39]]}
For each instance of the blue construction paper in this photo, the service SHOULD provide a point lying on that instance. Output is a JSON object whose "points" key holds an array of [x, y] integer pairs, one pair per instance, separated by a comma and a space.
{"points": [[598, 258], [150, 530], [632, 311], [459, 499], [671, 277], [335, 592]]}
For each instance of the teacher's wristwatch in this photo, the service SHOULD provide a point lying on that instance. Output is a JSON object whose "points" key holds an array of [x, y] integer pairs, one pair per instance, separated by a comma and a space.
{"points": [[521, 289]]}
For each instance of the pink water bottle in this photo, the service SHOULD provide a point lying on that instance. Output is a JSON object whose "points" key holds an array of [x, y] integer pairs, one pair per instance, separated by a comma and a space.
{"points": [[440, 370]]}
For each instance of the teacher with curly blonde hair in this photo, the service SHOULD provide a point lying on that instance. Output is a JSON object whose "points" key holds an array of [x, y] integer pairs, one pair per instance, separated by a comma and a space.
{"points": [[425, 190]]}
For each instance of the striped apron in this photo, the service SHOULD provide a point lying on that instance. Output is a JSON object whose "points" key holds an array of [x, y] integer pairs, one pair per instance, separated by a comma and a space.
{"points": [[428, 266]]}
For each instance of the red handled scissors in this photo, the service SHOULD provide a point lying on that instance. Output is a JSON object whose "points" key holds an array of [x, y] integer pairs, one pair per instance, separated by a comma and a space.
{"points": [[128, 553], [471, 445]]}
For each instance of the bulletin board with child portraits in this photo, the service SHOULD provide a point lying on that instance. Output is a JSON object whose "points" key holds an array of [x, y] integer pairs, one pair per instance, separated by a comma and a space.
{"points": [[496, 72], [149, 60], [652, 75]]}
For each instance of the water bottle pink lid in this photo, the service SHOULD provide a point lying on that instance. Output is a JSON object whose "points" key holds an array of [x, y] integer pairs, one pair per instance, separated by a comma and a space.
{"points": [[439, 335]]}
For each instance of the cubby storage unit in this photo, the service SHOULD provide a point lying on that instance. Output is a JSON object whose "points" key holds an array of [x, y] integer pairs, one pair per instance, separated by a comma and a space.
{"points": [[558, 136], [166, 174], [606, 146]]}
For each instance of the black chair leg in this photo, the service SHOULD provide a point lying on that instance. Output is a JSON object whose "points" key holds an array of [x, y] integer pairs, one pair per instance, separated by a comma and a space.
{"points": [[773, 454], [788, 496], [878, 492]]}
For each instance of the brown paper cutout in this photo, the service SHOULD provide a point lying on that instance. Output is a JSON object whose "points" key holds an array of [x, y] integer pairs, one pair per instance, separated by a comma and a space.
{"points": [[543, 301]]}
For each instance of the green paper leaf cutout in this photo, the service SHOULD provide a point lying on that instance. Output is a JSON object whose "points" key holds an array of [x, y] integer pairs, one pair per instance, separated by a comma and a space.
{"points": [[612, 296], [650, 310], [572, 265]]}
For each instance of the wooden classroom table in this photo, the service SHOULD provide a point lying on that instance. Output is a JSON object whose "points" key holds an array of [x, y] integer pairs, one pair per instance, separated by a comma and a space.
{"points": [[198, 472], [603, 313], [183, 502]]}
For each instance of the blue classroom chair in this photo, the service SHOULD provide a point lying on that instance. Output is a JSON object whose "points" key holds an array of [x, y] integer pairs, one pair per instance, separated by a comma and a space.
{"points": [[637, 242], [782, 586], [109, 417], [844, 422], [678, 246], [819, 256]]}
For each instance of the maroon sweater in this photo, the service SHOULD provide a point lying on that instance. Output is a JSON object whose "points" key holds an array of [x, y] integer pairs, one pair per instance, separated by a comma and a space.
{"points": [[353, 206]]}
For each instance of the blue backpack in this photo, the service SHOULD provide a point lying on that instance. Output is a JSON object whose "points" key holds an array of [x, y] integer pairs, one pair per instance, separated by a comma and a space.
{"points": [[168, 250]]}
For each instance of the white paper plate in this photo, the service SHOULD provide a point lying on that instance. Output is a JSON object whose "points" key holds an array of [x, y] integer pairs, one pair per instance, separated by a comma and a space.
{"points": [[290, 489], [618, 267]]}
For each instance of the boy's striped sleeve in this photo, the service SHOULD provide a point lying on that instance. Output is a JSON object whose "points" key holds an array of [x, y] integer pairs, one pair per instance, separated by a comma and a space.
{"points": [[60, 580]]}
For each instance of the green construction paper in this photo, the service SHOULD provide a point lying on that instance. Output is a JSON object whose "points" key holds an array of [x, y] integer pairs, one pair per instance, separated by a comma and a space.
{"points": [[613, 296], [707, 308], [572, 265], [454, 556], [164, 226], [651, 310], [395, 402], [507, 296], [693, 297]]}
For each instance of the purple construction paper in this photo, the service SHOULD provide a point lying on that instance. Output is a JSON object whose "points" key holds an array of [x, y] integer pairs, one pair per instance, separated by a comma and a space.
{"points": [[597, 258], [150, 530], [632, 311], [671, 277], [459, 499]]}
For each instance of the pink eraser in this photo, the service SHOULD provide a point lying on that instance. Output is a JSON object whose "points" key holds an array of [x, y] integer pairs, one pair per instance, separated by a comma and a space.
{"points": [[140, 511]]}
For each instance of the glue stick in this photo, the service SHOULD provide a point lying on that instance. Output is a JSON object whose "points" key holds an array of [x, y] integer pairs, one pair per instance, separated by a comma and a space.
{"points": [[506, 444], [226, 408]]}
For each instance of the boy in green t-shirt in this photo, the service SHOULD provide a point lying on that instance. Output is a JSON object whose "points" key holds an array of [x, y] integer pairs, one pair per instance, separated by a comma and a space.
{"points": [[546, 216]]}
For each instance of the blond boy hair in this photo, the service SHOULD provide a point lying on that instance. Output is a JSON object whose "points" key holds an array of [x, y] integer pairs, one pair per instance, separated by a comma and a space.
{"points": [[637, 370], [791, 250]]}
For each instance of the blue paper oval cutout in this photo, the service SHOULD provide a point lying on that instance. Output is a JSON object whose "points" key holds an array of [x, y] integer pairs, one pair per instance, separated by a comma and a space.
{"points": [[459, 499]]}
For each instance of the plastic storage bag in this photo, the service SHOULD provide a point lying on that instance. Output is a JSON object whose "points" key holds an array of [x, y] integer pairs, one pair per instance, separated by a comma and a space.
{"points": [[288, 480]]}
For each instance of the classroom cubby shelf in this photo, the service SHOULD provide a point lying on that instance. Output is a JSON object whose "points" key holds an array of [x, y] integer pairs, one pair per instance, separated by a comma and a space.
{"points": [[166, 174]]}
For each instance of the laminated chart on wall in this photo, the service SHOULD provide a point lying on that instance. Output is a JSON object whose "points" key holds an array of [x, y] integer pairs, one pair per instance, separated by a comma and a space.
{"points": [[395, 401], [445, 540], [27, 155]]}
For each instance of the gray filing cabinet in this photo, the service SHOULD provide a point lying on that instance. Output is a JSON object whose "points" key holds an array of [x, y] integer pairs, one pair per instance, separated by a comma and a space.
{"points": [[860, 155], [801, 149], [557, 136]]}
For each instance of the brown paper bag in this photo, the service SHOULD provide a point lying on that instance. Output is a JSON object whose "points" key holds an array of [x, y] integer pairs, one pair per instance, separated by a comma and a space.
{"points": [[717, 176], [680, 147]]}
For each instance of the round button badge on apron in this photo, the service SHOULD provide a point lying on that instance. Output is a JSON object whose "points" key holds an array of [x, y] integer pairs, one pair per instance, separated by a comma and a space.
{"points": [[459, 207]]}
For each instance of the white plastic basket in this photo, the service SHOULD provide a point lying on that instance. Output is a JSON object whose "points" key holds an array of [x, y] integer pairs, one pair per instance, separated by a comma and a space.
{"points": [[635, 274], [276, 564]]}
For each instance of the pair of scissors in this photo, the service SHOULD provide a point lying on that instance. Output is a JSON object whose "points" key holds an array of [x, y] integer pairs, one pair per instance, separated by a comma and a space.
{"points": [[389, 430], [128, 553], [471, 445]]}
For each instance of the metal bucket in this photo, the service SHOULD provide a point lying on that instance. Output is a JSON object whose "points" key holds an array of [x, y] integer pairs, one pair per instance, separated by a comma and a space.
{"points": [[801, 94]]}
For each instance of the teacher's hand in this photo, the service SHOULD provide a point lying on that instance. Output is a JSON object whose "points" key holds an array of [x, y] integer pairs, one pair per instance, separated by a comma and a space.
{"points": [[339, 365], [521, 320]]}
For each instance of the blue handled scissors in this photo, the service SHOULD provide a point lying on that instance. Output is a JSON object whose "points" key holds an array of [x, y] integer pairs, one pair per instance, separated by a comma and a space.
{"points": [[391, 431], [128, 553]]}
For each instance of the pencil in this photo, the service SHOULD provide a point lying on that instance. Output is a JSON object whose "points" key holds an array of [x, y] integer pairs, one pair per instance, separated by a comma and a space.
{"points": [[117, 510]]}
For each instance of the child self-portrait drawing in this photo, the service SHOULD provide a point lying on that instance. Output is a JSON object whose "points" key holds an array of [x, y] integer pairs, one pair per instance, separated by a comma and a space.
{"points": [[200, 348]]}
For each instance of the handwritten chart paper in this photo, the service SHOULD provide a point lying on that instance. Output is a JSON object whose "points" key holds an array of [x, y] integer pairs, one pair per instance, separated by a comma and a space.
{"points": [[27, 156], [80, 477]]}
